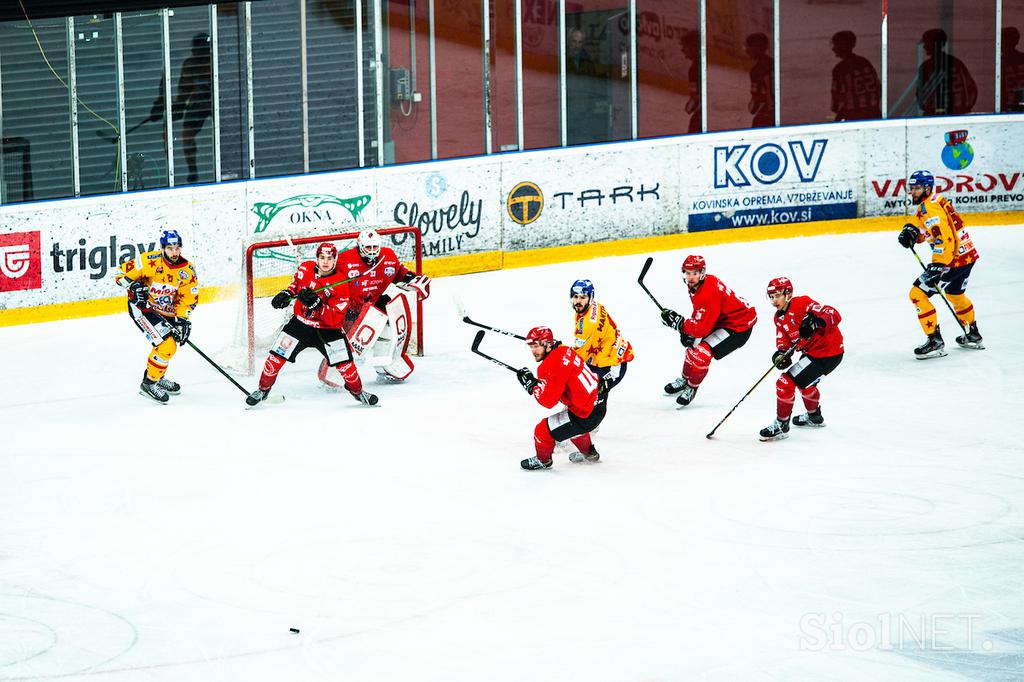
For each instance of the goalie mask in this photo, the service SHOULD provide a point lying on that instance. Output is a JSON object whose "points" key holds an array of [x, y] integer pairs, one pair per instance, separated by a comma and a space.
{"points": [[369, 244]]}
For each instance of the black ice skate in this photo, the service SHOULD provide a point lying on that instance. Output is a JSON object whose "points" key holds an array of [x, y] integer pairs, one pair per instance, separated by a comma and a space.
{"points": [[256, 397], [972, 339], [687, 395], [674, 386], [809, 419], [364, 397], [172, 387], [777, 430], [591, 455], [934, 347], [152, 390], [533, 464]]}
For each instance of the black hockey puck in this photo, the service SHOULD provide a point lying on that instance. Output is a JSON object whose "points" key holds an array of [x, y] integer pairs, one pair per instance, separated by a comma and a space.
{"points": [[294, 630]]}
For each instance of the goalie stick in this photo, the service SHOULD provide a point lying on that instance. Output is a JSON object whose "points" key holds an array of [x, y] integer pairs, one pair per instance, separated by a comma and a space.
{"points": [[775, 365], [476, 349], [640, 281]]}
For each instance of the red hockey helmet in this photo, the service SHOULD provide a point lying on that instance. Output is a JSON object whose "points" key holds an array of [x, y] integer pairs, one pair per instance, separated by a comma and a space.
{"points": [[539, 335], [328, 248], [694, 262], [780, 285]]}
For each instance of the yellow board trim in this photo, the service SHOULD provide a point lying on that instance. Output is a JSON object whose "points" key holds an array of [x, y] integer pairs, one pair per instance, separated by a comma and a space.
{"points": [[497, 260]]}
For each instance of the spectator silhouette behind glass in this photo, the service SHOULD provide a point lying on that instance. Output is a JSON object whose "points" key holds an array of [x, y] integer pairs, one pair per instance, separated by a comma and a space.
{"points": [[192, 101], [762, 92], [944, 85], [581, 84], [1012, 98], [691, 50], [856, 90]]}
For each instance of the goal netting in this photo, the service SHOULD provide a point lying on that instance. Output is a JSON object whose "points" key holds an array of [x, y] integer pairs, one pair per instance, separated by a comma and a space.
{"points": [[268, 267]]}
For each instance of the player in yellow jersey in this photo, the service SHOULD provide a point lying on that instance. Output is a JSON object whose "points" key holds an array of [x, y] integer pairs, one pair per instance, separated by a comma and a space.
{"points": [[162, 293], [598, 339], [953, 257]]}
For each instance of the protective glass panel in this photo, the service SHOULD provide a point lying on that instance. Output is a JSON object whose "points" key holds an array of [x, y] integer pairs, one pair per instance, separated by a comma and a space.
{"points": [[668, 52], [740, 66], [1012, 57]]}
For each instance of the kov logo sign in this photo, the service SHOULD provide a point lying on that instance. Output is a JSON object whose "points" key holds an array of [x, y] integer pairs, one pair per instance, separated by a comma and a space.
{"points": [[741, 165], [20, 262]]}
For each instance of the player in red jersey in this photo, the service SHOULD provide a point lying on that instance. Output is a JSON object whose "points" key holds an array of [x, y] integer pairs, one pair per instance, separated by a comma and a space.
{"points": [[562, 376], [382, 293], [814, 328], [319, 313], [721, 322]]}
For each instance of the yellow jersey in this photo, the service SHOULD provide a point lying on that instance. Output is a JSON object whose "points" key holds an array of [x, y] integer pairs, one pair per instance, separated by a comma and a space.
{"points": [[173, 287], [942, 227], [598, 339]]}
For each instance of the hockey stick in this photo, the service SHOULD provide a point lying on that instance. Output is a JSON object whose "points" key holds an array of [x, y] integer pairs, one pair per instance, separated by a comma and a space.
{"points": [[218, 368], [465, 318], [113, 138], [476, 349], [775, 365], [292, 297], [942, 293], [640, 281]]}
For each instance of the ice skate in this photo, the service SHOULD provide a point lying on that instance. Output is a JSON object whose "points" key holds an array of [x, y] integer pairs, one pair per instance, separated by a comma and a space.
{"points": [[674, 386], [256, 397], [777, 430], [152, 390], [687, 395], [385, 378], [972, 339], [934, 347], [172, 387], [809, 419], [591, 455], [533, 463], [364, 397]]}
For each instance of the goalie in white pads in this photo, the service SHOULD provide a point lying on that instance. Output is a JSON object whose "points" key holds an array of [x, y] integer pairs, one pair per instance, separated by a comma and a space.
{"points": [[383, 292], [320, 294]]}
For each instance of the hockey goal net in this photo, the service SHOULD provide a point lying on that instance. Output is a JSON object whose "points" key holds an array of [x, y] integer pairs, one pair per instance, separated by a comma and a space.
{"points": [[268, 267]]}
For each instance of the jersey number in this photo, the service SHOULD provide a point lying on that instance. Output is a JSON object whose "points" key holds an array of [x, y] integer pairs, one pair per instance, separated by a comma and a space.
{"points": [[588, 380]]}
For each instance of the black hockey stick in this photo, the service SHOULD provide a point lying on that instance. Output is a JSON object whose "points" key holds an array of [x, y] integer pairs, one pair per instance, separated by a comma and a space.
{"points": [[640, 281], [775, 365], [218, 368], [113, 138], [942, 294], [465, 318], [476, 349]]}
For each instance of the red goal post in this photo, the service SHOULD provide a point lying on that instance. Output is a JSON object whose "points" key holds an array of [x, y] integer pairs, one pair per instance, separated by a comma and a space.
{"points": [[269, 266]]}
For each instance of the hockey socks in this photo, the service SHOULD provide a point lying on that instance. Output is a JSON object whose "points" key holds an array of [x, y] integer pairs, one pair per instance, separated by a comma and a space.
{"points": [[353, 384], [785, 391], [698, 360], [272, 366]]}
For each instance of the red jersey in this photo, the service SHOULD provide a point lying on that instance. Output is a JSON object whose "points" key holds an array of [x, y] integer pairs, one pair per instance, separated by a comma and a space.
{"points": [[716, 306], [331, 314], [564, 377], [824, 344], [371, 281]]}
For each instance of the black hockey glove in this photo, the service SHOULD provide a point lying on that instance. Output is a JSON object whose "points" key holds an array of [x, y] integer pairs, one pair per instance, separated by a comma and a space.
{"points": [[382, 302], [181, 327], [352, 314], [671, 318], [605, 385], [810, 325], [687, 340], [138, 294], [281, 300], [782, 359], [908, 236], [308, 298], [527, 379], [932, 273]]}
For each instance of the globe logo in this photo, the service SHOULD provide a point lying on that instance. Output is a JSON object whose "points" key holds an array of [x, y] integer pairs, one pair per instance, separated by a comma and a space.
{"points": [[958, 153]]}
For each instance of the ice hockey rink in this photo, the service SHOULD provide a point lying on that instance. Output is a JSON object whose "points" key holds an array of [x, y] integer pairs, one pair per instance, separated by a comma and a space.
{"points": [[403, 542]]}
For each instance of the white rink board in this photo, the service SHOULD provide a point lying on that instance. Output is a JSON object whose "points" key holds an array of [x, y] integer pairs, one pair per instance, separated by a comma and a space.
{"points": [[590, 194]]}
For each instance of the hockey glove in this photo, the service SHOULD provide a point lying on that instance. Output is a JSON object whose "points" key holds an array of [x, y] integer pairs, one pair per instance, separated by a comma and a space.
{"points": [[605, 385], [308, 298], [687, 340], [381, 303], [138, 294], [810, 325], [908, 236], [281, 300], [932, 273], [352, 313], [181, 327], [671, 318], [782, 359], [419, 284], [527, 379]]}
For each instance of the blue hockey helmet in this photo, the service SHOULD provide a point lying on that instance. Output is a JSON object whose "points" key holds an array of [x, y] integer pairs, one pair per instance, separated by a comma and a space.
{"points": [[170, 238], [582, 286], [923, 178]]}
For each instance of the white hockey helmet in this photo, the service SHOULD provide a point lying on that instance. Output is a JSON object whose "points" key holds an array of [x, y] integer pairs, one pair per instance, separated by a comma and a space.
{"points": [[369, 244]]}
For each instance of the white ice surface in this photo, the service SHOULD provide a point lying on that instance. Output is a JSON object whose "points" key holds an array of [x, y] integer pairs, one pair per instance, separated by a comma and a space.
{"points": [[181, 542]]}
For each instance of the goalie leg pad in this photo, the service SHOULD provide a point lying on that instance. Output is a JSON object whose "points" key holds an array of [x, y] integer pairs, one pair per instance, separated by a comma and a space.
{"points": [[368, 328]]}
